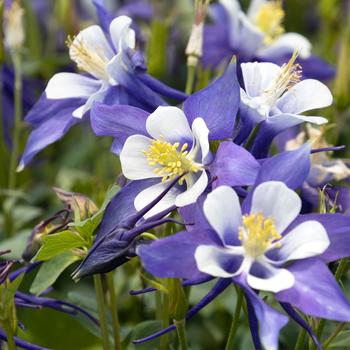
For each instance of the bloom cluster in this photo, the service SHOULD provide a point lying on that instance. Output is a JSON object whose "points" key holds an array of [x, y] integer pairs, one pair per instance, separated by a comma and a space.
{"points": [[232, 181]]}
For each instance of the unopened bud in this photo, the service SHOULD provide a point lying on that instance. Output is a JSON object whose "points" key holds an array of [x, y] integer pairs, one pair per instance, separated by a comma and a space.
{"points": [[195, 43], [82, 206], [13, 26]]}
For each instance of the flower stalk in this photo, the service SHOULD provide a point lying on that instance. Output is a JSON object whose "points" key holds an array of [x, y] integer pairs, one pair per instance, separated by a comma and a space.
{"points": [[114, 310], [101, 311], [181, 333], [235, 321]]}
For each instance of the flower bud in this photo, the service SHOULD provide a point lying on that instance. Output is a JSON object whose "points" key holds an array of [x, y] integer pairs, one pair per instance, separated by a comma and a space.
{"points": [[13, 26], [195, 43]]}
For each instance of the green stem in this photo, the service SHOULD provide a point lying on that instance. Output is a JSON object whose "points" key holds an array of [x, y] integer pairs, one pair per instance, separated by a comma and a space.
{"points": [[181, 333], [11, 345], [114, 310], [338, 329], [301, 339], [252, 136], [17, 120], [341, 269], [235, 321], [191, 70], [101, 311], [164, 340]]}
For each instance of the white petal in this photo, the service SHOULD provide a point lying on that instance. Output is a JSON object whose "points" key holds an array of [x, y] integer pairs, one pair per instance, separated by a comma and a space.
{"points": [[223, 212], [287, 120], [71, 85], [121, 33], [193, 192], [146, 196], [200, 133], [133, 161], [169, 123], [97, 96], [257, 77], [93, 40], [278, 279], [212, 259], [306, 95], [304, 241], [286, 44], [274, 199]]}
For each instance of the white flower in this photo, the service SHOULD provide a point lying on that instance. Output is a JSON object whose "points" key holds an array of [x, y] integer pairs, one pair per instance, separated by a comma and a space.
{"points": [[260, 31], [276, 94], [100, 59], [257, 244], [173, 149]]}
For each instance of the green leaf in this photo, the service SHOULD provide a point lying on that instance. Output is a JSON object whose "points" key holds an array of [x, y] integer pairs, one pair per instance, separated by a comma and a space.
{"points": [[58, 243], [51, 270]]}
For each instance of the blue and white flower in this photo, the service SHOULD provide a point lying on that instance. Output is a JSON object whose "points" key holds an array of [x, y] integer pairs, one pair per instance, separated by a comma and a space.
{"points": [[258, 244], [112, 72], [257, 35], [173, 148]]}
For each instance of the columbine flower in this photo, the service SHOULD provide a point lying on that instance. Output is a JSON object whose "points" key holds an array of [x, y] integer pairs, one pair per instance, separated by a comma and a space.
{"points": [[257, 35], [258, 244], [276, 97], [266, 246], [111, 72], [170, 143], [172, 149]]}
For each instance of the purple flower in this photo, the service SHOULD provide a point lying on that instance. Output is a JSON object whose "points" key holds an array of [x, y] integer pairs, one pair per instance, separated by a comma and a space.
{"points": [[114, 73], [171, 142], [257, 35], [263, 244]]}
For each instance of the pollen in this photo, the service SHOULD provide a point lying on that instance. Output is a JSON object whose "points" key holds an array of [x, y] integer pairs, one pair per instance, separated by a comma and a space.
{"points": [[258, 234], [269, 20], [289, 75], [89, 60], [169, 160]]}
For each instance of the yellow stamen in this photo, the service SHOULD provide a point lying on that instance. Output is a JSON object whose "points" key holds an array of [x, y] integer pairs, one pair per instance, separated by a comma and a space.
{"points": [[289, 75], [258, 234], [91, 61], [169, 162], [269, 20]]}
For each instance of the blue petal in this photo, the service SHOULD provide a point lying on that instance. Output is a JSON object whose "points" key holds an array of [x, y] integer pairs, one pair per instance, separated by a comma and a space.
{"points": [[270, 321], [173, 256], [51, 120], [316, 292], [217, 105], [233, 166], [119, 121]]}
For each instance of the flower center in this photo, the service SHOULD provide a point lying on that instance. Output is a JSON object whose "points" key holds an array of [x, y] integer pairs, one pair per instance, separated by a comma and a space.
{"points": [[269, 20], [90, 60], [258, 234], [169, 161], [289, 75]]}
